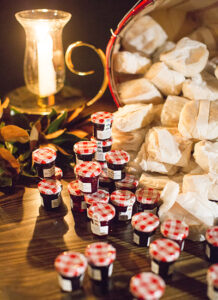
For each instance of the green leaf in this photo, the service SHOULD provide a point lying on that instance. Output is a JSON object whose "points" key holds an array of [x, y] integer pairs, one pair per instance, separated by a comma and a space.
{"points": [[53, 114], [56, 124], [11, 147], [5, 181], [24, 156], [2, 124], [66, 137]]}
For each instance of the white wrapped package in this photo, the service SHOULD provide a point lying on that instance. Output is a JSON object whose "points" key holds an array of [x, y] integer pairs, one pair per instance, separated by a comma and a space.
{"points": [[216, 72], [165, 48], [204, 34], [213, 191], [211, 65], [192, 168], [197, 183]]}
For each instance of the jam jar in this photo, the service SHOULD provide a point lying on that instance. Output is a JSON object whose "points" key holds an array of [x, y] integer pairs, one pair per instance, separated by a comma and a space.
{"points": [[101, 214], [116, 162], [85, 151], [212, 282], [144, 225], [128, 183], [106, 183], [100, 196], [212, 244], [44, 161], [102, 148], [70, 267], [103, 165], [100, 257], [58, 173], [147, 286], [77, 198], [123, 200], [164, 253], [147, 200], [175, 230], [102, 122], [88, 176], [50, 192]]}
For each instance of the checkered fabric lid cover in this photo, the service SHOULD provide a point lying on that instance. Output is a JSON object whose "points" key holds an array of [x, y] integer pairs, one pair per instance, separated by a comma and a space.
{"points": [[49, 186], [70, 264], [122, 198], [147, 286], [102, 117], [147, 195], [100, 144], [103, 165], [58, 173], [85, 147], [99, 196], [44, 155], [174, 229], [128, 182], [88, 169], [101, 211], [73, 188], [164, 250], [145, 222], [100, 254], [117, 157], [212, 236], [212, 275]]}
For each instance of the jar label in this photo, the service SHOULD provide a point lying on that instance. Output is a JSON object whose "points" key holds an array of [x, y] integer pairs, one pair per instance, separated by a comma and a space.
{"points": [[85, 187], [154, 267], [42, 202], [182, 245], [49, 172], [104, 134], [207, 251], [114, 174], [65, 284], [100, 156], [83, 205], [126, 215], [136, 238], [55, 202], [94, 273], [98, 229], [110, 270]]}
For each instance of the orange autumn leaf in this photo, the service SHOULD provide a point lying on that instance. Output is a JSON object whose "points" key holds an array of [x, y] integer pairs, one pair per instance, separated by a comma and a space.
{"points": [[12, 133], [9, 162]]}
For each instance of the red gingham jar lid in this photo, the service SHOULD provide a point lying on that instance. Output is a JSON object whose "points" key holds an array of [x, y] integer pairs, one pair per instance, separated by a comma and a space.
{"points": [[128, 182], [147, 195], [103, 165], [44, 155], [99, 196], [100, 254], [105, 143], [58, 173], [117, 157], [145, 222], [70, 264], [174, 229], [85, 147], [101, 211], [212, 236], [49, 186], [212, 275], [73, 188], [164, 250], [102, 117], [147, 286], [122, 198], [88, 169]]}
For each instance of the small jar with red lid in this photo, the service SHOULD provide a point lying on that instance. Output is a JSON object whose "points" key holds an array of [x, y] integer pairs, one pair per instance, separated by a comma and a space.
{"points": [[101, 215], [70, 267], [77, 198], [100, 196], [147, 200], [88, 176], [212, 244], [100, 257], [175, 230], [163, 253], [106, 183], [44, 162], [129, 183], [58, 173], [102, 122], [212, 282], [144, 225], [50, 192], [102, 148], [123, 200], [85, 151], [147, 286], [116, 162]]}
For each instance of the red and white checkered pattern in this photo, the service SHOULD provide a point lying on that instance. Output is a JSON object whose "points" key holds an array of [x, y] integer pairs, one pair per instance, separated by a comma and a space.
{"points": [[106, 143], [70, 264], [100, 254], [122, 198], [212, 236], [102, 117], [174, 229], [212, 275], [49, 186], [103, 176], [147, 195], [164, 250], [85, 147], [117, 157], [73, 188], [103, 165], [88, 169], [100, 196], [147, 286], [44, 155], [128, 182], [101, 211], [145, 222], [58, 173]]}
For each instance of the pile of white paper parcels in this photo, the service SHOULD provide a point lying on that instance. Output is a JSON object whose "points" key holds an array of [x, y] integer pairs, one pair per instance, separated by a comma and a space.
{"points": [[169, 120]]}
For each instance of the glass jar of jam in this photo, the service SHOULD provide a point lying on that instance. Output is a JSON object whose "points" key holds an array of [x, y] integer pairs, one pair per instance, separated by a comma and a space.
{"points": [[175, 230], [100, 196], [100, 257], [147, 286], [212, 244], [58, 173], [106, 183], [163, 253], [70, 267], [116, 162], [212, 282], [44, 162], [50, 192], [144, 225], [129, 183], [102, 122], [123, 200], [77, 198], [88, 176], [147, 200], [101, 214], [85, 151], [102, 148]]}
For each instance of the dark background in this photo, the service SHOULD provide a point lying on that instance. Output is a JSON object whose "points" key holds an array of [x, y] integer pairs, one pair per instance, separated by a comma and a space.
{"points": [[91, 22]]}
